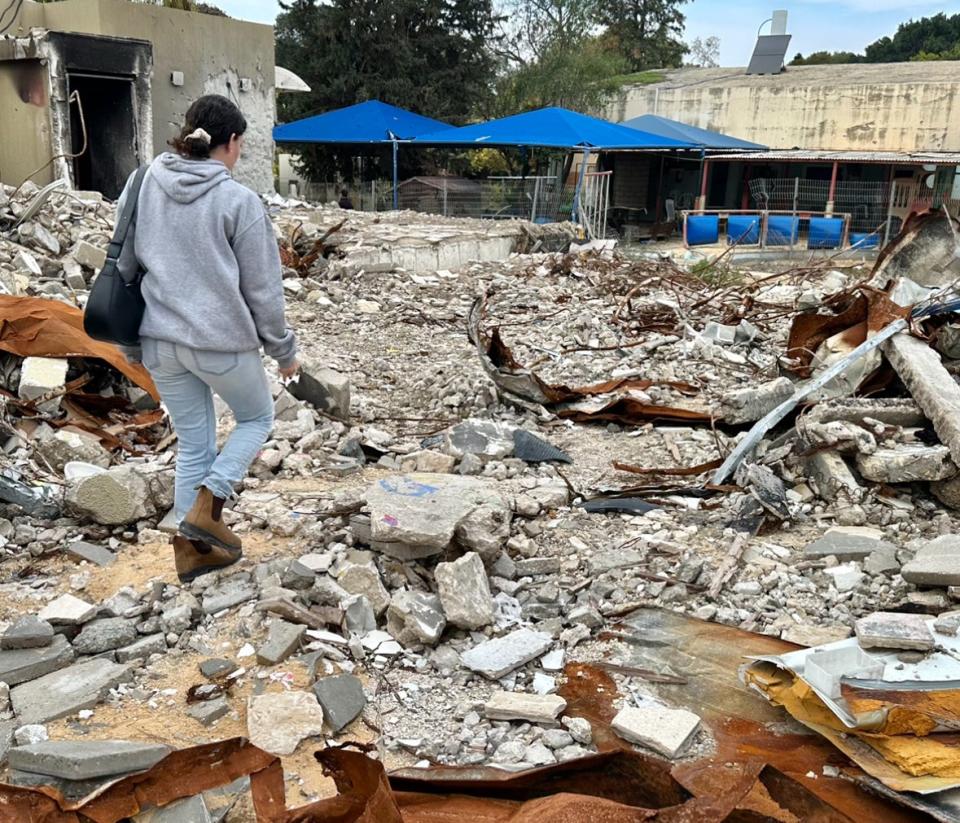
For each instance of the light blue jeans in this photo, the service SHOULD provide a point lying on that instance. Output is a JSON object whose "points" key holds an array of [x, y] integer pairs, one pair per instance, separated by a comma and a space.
{"points": [[186, 379]]}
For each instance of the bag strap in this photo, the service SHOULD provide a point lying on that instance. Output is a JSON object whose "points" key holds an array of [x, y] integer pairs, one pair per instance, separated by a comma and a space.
{"points": [[127, 216]]}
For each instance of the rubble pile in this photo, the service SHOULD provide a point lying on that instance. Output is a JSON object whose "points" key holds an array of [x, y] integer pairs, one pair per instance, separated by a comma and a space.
{"points": [[499, 450]]}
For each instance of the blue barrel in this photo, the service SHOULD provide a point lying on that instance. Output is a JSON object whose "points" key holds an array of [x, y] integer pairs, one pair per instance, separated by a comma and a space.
{"points": [[862, 240], [702, 229], [782, 230], [825, 233], [743, 229]]}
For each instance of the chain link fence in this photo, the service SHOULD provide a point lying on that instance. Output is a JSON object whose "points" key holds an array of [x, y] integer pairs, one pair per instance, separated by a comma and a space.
{"points": [[866, 202]]}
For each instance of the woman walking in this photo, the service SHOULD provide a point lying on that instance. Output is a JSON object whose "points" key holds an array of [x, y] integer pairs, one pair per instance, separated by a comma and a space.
{"points": [[213, 294]]}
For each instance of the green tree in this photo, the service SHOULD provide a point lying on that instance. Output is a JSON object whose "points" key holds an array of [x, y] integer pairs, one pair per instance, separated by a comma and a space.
{"points": [[819, 58], [528, 29], [429, 56], [645, 32]]}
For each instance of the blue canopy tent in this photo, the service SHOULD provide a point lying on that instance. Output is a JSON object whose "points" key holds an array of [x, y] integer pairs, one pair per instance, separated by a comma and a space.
{"points": [[554, 128], [704, 138], [371, 123]]}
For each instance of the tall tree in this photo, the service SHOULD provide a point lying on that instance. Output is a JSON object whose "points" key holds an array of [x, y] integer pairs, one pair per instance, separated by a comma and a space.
{"points": [[528, 29], [646, 32], [429, 56], [705, 53]]}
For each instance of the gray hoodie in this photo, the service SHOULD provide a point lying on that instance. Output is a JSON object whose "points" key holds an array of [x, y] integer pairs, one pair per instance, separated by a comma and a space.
{"points": [[212, 269]]}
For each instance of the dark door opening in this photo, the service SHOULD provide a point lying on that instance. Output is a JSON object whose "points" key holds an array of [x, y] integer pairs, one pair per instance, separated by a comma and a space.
{"points": [[110, 120]]}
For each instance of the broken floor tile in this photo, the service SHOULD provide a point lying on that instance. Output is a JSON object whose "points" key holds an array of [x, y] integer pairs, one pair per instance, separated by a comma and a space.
{"points": [[892, 630], [534, 708], [667, 731]]}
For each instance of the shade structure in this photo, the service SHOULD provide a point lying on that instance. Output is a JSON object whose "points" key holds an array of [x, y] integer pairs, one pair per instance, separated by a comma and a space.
{"points": [[552, 128], [705, 138], [368, 122]]}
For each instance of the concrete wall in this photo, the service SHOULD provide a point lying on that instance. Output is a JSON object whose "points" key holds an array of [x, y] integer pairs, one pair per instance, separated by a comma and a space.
{"points": [[215, 55], [897, 107], [25, 125]]}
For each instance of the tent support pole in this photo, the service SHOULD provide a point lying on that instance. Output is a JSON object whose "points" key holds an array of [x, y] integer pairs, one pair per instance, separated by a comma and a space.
{"points": [[576, 195], [396, 194]]}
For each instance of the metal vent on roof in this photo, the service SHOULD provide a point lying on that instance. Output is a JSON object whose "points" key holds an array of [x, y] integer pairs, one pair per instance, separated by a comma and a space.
{"points": [[771, 48]]}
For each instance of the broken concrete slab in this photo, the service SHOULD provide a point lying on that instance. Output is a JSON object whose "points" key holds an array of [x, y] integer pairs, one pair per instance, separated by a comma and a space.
{"points": [[226, 595], [277, 723], [936, 563], [483, 438], [67, 610], [40, 376], [358, 574], [892, 630], [501, 655], [112, 497], [88, 255], [92, 553], [65, 446], [666, 731], [104, 635], [209, 712], [930, 384], [534, 708], [846, 577], [465, 592], [848, 543], [342, 699], [907, 463], [811, 635], [752, 403], [29, 632], [833, 477], [189, 810], [20, 665], [283, 639], [415, 617], [65, 692], [143, 649], [323, 388], [84, 760], [417, 515]]}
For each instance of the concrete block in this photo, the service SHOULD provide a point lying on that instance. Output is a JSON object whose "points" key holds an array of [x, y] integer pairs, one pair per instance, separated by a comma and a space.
{"points": [[91, 552], [809, 635], [143, 649], [40, 376], [358, 574], [21, 665], [209, 712], [64, 446], [848, 543], [283, 639], [465, 592], [115, 497], [891, 630], [415, 617], [846, 577], [342, 699], [228, 594], [752, 403], [67, 610], [324, 389], [936, 563], [907, 464], [217, 667], [533, 708], [667, 731], [501, 655], [65, 692], [105, 635], [83, 760], [29, 632], [88, 255]]}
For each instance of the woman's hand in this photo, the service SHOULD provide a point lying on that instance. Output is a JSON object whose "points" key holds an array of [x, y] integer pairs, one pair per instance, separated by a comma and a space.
{"points": [[290, 371]]}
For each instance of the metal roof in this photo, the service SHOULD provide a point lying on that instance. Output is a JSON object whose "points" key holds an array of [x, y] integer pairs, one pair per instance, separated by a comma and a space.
{"points": [[905, 158]]}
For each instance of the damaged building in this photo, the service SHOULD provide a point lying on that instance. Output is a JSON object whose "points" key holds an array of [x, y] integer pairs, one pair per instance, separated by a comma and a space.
{"points": [[92, 88]]}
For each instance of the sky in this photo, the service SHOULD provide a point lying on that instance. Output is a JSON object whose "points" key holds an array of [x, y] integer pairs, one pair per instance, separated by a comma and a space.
{"points": [[816, 25]]}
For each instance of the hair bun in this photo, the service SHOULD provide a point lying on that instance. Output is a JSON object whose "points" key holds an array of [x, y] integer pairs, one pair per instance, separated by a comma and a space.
{"points": [[199, 134]]}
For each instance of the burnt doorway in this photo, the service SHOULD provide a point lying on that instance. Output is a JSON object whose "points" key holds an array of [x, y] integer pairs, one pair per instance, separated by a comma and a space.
{"points": [[105, 110]]}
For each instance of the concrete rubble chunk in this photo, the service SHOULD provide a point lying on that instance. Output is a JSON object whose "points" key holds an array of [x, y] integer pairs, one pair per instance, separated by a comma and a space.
{"points": [[113, 497], [104, 635], [83, 760], [808, 635], [666, 731], [835, 481], [65, 692], [283, 639], [228, 594], [752, 403], [40, 376], [143, 649], [342, 699], [415, 617], [21, 665], [209, 712], [846, 577], [359, 575], [848, 543], [88, 255], [465, 592], [91, 552], [936, 563], [358, 615], [930, 384], [892, 630], [277, 723], [501, 655], [217, 667], [189, 810], [483, 438], [533, 708], [65, 446], [67, 610], [29, 632], [418, 515], [323, 388], [907, 463]]}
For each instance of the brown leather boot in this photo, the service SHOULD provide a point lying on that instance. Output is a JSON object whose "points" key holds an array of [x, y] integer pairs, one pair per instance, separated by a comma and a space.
{"points": [[194, 557], [203, 522]]}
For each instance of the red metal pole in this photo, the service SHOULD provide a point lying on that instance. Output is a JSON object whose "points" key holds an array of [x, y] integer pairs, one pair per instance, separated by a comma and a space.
{"points": [[703, 184], [833, 186]]}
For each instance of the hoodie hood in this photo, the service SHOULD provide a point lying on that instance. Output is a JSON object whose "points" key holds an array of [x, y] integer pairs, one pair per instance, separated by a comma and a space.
{"points": [[187, 180]]}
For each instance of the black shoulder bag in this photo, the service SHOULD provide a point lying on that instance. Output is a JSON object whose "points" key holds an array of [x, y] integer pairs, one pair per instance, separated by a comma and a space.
{"points": [[115, 305]]}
